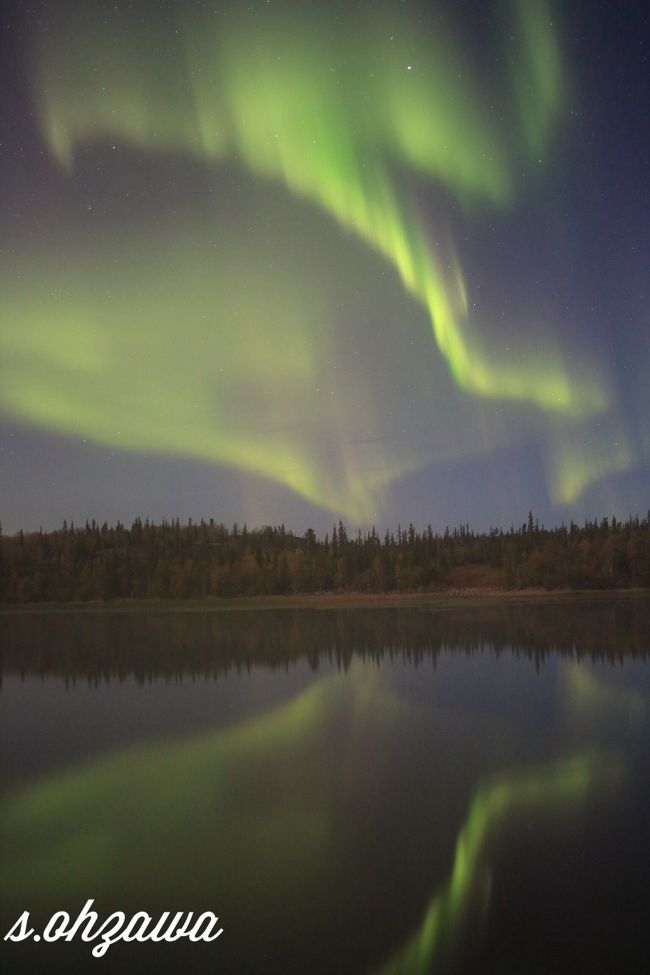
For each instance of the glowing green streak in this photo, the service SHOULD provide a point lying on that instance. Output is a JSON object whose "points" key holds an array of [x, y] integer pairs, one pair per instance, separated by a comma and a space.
{"points": [[333, 123], [579, 457], [538, 75], [103, 827], [592, 699], [67, 831], [207, 341], [120, 826], [567, 782], [229, 360]]}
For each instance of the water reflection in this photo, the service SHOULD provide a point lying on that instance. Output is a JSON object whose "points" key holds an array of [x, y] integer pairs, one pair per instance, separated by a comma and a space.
{"points": [[98, 646], [496, 802], [375, 818]]}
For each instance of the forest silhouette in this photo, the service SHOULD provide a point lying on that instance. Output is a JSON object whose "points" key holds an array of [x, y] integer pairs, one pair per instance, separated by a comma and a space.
{"points": [[207, 559]]}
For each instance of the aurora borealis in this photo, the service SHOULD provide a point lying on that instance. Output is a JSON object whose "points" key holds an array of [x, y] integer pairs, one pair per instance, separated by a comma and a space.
{"points": [[315, 259], [286, 796], [556, 787]]}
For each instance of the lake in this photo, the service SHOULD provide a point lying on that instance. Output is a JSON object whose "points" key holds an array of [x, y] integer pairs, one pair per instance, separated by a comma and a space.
{"points": [[391, 791]]}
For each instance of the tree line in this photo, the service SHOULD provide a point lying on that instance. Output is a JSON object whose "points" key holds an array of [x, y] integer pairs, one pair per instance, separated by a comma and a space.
{"points": [[206, 645], [208, 559]]}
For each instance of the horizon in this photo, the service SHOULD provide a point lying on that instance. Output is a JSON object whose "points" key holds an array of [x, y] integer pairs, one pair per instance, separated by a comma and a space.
{"points": [[352, 532]]}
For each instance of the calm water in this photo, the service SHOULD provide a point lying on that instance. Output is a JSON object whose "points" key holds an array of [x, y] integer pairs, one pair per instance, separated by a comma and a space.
{"points": [[390, 792]]}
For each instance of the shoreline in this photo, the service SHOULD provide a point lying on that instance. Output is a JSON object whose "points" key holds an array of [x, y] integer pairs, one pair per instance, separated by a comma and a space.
{"points": [[443, 599]]}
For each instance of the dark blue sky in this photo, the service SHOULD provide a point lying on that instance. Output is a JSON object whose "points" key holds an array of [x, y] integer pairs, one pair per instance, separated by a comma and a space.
{"points": [[195, 324]]}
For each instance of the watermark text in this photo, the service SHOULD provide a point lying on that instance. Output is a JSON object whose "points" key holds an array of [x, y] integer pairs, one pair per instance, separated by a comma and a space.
{"points": [[117, 927]]}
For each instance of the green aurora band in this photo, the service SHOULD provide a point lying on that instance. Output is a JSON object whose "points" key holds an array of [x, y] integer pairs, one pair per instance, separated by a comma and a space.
{"points": [[275, 400], [109, 828], [552, 788], [328, 120], [348, 115]]}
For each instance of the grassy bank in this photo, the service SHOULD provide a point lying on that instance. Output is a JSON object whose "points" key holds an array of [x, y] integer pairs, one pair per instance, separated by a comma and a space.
{"points": [[444, 599]]}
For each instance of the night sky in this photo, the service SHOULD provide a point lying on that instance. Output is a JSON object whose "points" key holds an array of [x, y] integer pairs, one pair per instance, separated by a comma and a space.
{"points": [[290, 262]]}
